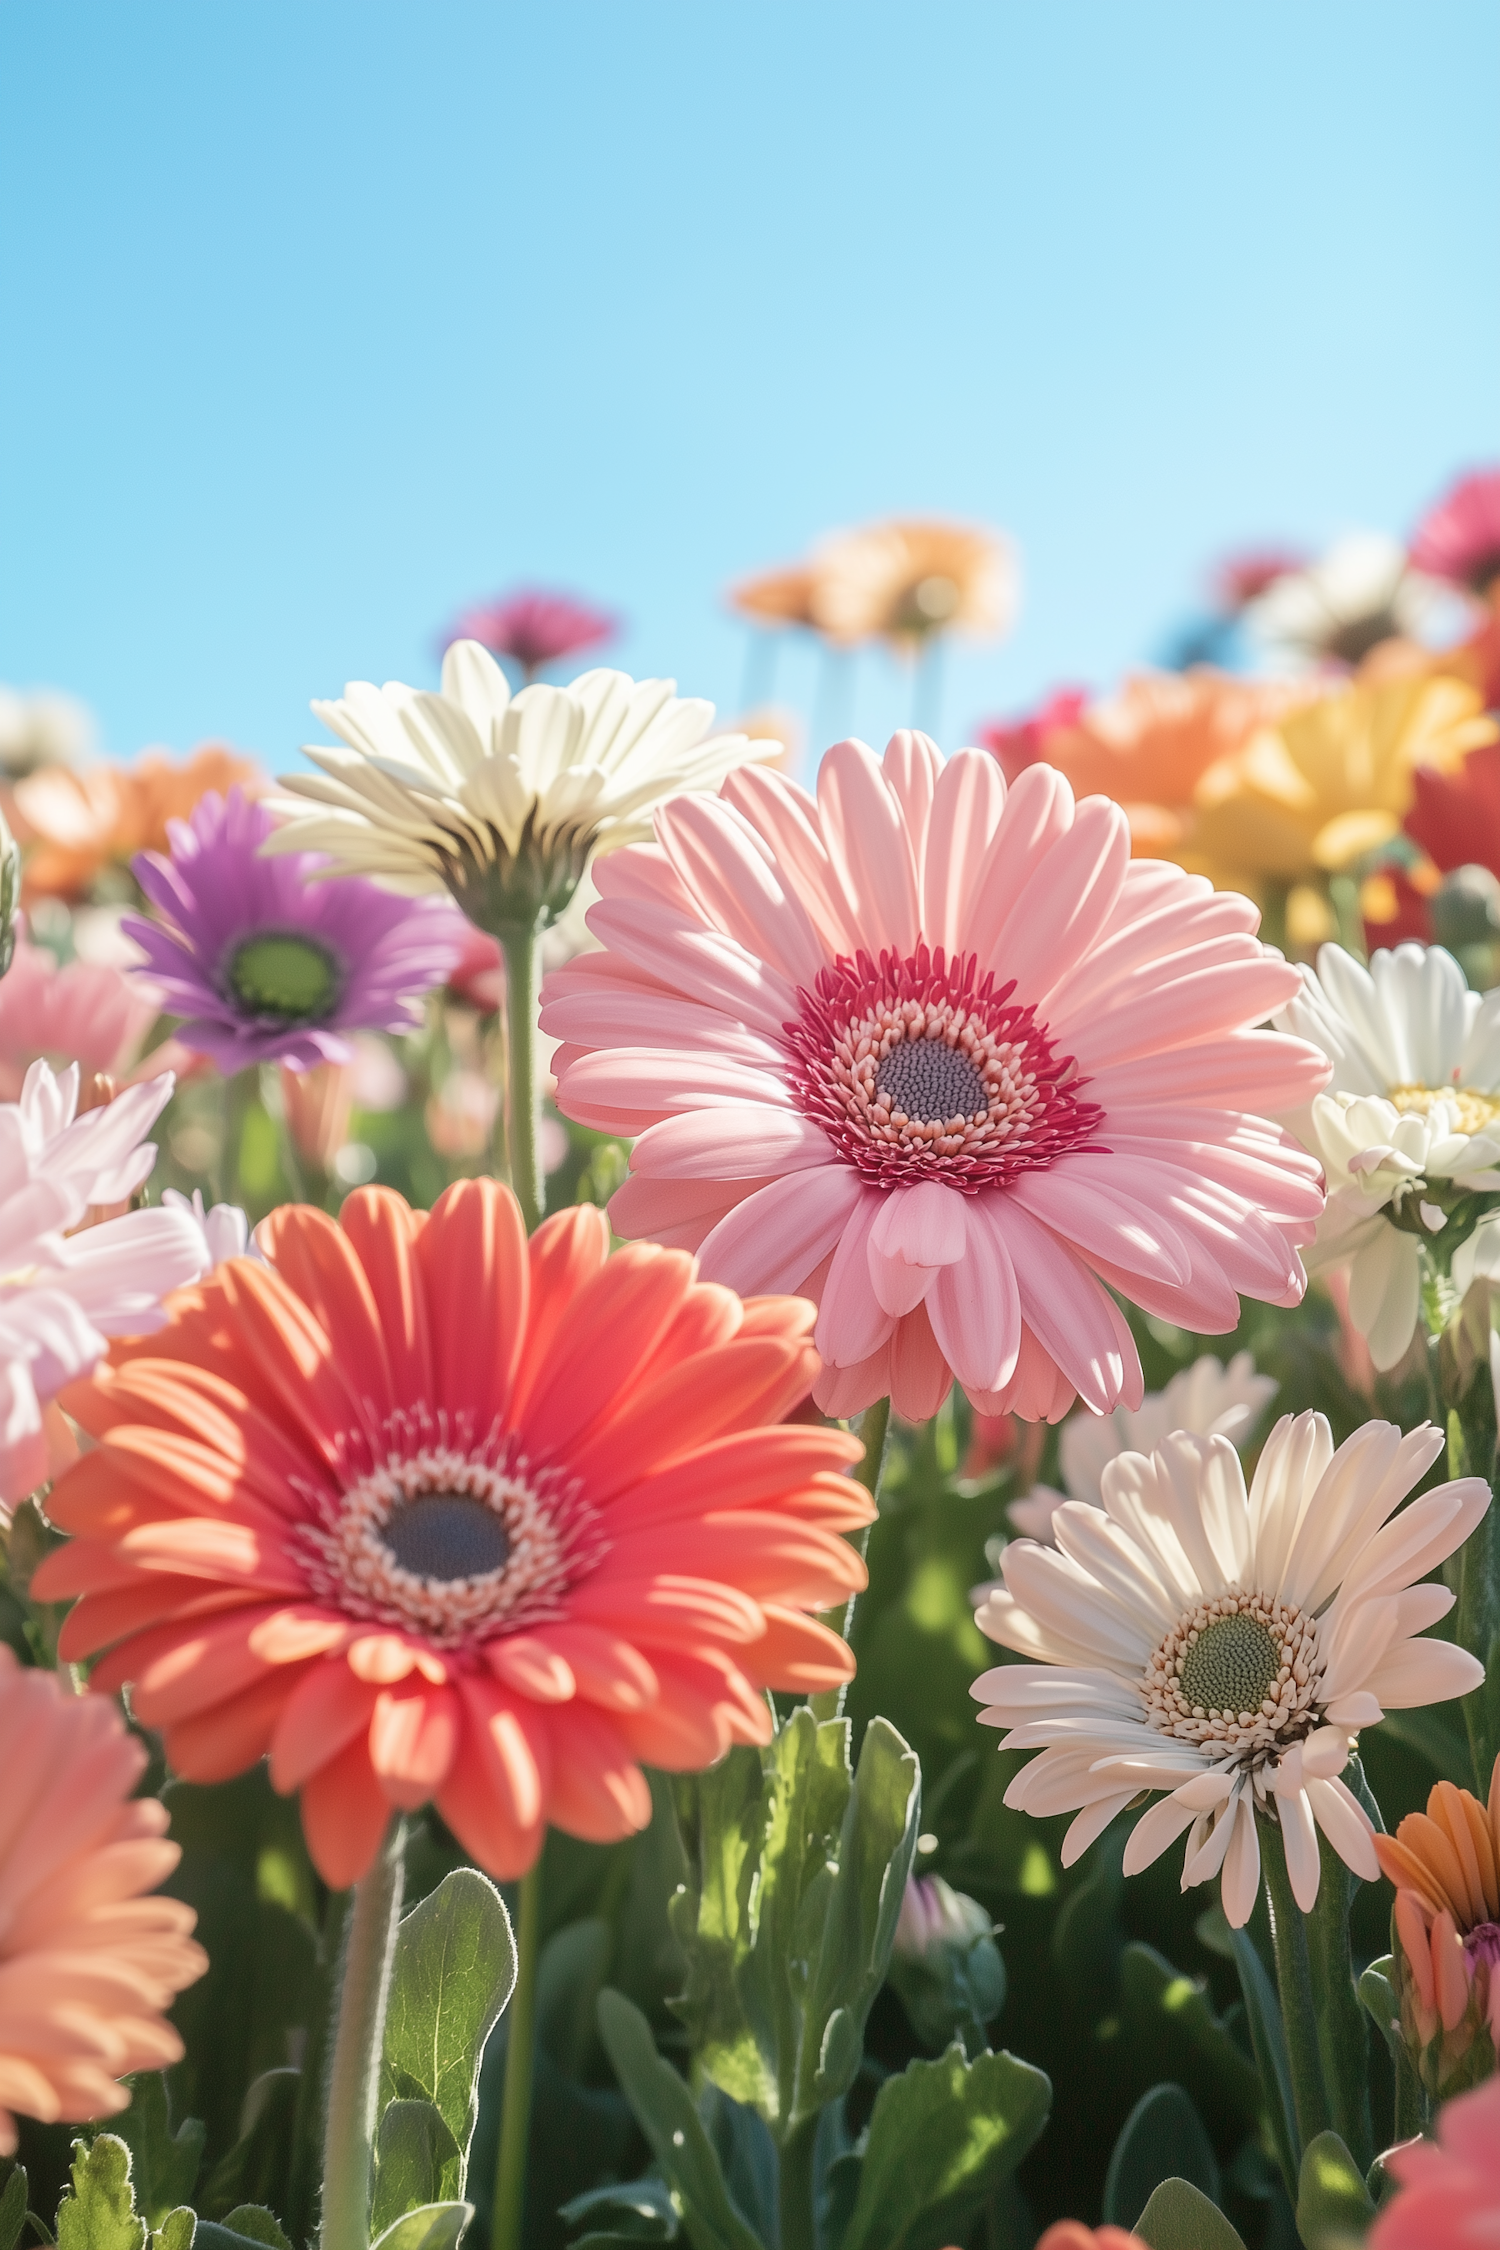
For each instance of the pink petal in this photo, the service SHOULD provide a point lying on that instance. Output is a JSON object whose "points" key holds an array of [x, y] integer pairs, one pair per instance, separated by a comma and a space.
{"points": [[1260, 1071], [771, 1242], [1070, 1315], [975, 1307], [788, 818], [852, 1323], [920, 1376], [728, 870], [843, 1391], [1176, 1009], [917, 1230], [1037, 1392], [1099, 1204], [912, 766], [749, 1143], [1038, 810], [1062, 908], [966, 810], [679, 1213], [868, 846], [689, 958]]}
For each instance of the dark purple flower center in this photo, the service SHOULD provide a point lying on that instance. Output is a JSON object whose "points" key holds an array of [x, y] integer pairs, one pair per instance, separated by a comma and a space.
{"points": [[285, 974], [446, 1535]]}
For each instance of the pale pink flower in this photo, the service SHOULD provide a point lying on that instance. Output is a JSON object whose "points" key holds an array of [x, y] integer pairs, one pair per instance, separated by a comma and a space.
{"points": [[939, 1055], [85, 1012]]}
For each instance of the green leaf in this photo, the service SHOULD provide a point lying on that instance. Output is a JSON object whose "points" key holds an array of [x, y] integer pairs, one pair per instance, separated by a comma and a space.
{"points": [[942, 2136], [674, 2131], [436, 2226], [1188, 2041], [1268, 2040], [100, 2212], [178, 2230], [1334, 2209], [454, 1970], [13, 2209], [252, 2174], [163, 2164], [417, 2161], [1162, 2139], [641, 2211], [796, 1872], [1180, 2217]]}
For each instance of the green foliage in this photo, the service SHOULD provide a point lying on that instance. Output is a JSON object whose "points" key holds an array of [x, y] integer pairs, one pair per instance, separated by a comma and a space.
{"points": [[252, 2173], [416, 2161], [1163, 2139], [797, 1869], [99, 2213], [1334, 2209], [942, 2137], [673, 2129], [433, 2226], [643, 2211], [952, 1991], [454, 1970], [1169, 2017], [254, 2223], [13, 2209], [1181, 2217], [164, 2165]]}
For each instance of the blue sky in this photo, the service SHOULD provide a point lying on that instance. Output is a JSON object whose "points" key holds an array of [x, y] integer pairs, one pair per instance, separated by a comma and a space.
{"points": [[326, 317]]}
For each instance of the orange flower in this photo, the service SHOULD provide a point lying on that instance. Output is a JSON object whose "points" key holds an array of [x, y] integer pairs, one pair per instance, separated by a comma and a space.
{"points": [[1072, 2234], [902, 581], [1149, 745], [427, 1512], [776, 597], [75, 824], [1445, 1864], [88, 1961]]}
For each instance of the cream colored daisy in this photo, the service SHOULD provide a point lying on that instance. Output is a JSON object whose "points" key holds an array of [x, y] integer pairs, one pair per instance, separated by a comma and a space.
{"points": [[1227, 1647], [499, 799]]}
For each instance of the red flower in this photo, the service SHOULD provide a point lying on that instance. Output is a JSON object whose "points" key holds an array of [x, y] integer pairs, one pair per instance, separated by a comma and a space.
{"points": [[1459, 538], [1239, 579], [1456, 816], [534, 629], [1019, 743]]}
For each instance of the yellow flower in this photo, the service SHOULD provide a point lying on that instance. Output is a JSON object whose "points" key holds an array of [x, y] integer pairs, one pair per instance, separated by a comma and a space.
{"points": [[1332, 779]]}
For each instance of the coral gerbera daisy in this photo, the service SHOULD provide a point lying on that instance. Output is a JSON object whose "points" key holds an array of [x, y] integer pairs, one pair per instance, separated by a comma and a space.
{"points": [[1445, 1864], [1226, 1647], [88, 1962], [88, 1012], [427, 1512], [940, 1055], [266, 965], [1449, 2189]]}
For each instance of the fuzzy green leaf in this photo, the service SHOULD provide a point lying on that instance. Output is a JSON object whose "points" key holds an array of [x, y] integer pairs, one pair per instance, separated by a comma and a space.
{"points": [[1175, 2012], [100, 2213], [943, 2135], [454, 1970], [163, 2165], [435, 2226], [13, 2208], [640, 2211], [1334, 2209], [417, 2161], [1163, 2138], [1180, 2217], [674, 2131], [178, 2230]]}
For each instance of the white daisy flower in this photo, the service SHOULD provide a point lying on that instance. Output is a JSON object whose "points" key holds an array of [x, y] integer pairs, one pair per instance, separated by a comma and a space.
{"points": [[223, 1228], [499, 799], [1227, 1649], [1360, 591], [66, 1288], [1408, 1129], [1208, 1398]]}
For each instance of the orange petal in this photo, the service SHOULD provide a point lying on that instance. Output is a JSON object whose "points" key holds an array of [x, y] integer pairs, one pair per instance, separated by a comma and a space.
{"points": [[413, 1735], [477, 1799], [797, 1654], [328, 1709], [100, 1619], [741, 1470], [757, 1552], [233, 1735], [288, 1361], [1449, 1972], [313, 1255], [176, 1674], [598, 1791], [1416, 1944], [531, 1665], [710, 1317], [614, 1323], [564, 1255], [345, 1815], [695, 1402], [384, 1658], [665, 1608], [516, 1743], [474, 1266], [383, 1232], [608, 1668]]}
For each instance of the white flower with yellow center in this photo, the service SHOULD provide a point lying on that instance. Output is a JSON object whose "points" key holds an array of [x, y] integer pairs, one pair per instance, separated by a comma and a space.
{"points": [[1226, 1647], [499, 799], [1408, 1130]]}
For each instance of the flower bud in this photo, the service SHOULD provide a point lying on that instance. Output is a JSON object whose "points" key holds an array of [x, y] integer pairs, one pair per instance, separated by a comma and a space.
{"points": [[945, 1965], [1445, 1935]]}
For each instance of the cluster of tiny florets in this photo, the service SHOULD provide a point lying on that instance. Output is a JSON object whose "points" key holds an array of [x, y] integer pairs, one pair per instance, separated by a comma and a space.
{"points": [[1275, 1651]]}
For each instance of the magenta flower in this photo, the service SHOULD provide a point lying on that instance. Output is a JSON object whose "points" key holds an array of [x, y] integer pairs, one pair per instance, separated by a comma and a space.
{"points": [[266, 964], [534, 629], [1450, 2188], [1459, 538], [939, 1055]]}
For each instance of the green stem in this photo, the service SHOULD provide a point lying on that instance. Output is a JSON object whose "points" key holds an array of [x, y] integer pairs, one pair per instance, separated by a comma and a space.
{"points": [[1471, 1452], [1343, 2026], [239, 1094], [795, 2188], [874, 1429], [1294, 1984], [354, 2076], [520, 2060], [523, 1099], [1273, 913], [1343, 896]]}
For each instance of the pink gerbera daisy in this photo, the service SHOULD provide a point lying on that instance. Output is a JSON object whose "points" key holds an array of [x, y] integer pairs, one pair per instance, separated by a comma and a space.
{"points": [[942, 1057]]}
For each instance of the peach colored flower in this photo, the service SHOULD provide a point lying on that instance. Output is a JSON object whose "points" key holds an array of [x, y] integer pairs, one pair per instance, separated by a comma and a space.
{"points": [[1445, 1864], [88, 1961], [1072, 2234], [1449, 2196], [74, 825], [905, 580], [777, 597], [941, 1056], [84, 1012], [427, 1512]]}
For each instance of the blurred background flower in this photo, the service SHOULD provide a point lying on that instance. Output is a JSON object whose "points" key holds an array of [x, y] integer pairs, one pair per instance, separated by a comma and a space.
{"points": [[531, 629]]}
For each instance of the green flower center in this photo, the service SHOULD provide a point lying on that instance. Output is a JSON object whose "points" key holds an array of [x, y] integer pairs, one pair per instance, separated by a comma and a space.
{"points": [[1231, 1666], [282, 973]]}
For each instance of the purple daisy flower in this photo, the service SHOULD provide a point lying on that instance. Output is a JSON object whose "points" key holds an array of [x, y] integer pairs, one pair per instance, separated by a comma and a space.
{"points": [[265, 965]]}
